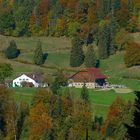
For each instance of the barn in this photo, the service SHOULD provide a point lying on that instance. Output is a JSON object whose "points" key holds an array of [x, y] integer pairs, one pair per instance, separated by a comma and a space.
{"points": [[91, 77]]}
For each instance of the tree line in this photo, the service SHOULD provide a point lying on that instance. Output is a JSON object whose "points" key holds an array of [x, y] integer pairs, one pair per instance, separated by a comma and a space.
{"points": [[64, 18], [101, 22], [60, 116], [55, 113]]}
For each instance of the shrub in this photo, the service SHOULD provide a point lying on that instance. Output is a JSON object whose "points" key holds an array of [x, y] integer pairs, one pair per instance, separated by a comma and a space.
{"points": [[27, 84]]}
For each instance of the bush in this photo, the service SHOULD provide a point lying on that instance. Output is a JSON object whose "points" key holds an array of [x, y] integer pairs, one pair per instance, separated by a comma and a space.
{"points": [[12, 51], [72, 28], [27, 84]]}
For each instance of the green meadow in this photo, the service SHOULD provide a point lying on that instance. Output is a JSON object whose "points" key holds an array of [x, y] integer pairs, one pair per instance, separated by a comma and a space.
{"points": [[100, 100], [58, 50]]}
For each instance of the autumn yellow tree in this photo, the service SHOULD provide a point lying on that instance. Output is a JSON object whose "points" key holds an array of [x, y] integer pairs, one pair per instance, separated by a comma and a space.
{"points": [[132, 55], [43, 8], [82, 118], [40, 121], [32, 23]]}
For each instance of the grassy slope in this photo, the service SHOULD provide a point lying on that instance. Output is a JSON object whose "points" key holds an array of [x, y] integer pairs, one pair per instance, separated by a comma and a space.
{"points": [[101, 100], [114, 67], [58, 50], [59, 53], [24, 94]]}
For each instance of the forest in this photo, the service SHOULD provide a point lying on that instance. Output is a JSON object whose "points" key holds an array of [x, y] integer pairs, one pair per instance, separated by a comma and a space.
{"points": [[66, 17], [101, 34], [106, 23]]}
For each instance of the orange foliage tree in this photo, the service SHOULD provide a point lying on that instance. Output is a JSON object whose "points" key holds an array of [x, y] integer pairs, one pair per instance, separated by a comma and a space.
{"points": [[32, 23], [43, 9], [132, 55], [82, 120], [60, 27], [40, 121], [113, 114]]}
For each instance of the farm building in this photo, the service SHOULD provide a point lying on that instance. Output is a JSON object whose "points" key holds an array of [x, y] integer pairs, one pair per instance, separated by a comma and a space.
{"points": [[29, 80], [92, 77]]}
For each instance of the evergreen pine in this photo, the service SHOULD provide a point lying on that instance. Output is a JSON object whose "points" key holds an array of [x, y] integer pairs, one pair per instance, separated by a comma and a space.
{"points": [[117, 4], [113, 27], [77, 54], [84, 93], [90, 58], [134, 131], [104, 8], [12, 51], [104, 42], [131, 6], [38, 54]]}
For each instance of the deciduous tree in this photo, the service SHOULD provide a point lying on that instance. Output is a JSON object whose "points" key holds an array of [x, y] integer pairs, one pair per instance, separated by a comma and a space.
{"points": [[40, 121], [6, 71], [132, 55]]}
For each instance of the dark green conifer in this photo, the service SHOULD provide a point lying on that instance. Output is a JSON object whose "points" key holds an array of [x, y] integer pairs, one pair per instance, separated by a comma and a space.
{"points": [[104, 42], [113, 28], [134, 131], [38, 54], [12, 51], [77, 54], [131, 6], [84, 93], [90, 58], [117, 4]]}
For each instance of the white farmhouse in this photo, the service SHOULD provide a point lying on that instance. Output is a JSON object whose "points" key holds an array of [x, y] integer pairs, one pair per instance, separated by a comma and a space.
{"points": [[31, 79]]}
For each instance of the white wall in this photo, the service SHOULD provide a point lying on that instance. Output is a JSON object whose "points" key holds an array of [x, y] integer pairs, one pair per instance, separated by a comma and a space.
{"points": [[24, 78], [80, 85]]}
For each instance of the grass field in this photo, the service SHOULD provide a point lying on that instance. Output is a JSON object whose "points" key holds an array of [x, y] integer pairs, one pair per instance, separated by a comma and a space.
{"points": [[24, 94], [118, 74], [58, 50], [100, 100]]}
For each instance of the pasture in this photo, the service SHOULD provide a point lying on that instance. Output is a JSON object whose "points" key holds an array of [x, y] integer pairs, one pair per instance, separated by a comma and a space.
{"points": [[58, 50], [100, 100]]}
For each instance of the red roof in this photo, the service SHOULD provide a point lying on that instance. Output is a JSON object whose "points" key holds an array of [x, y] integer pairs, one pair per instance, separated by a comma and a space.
{"points": [[88, 75]]}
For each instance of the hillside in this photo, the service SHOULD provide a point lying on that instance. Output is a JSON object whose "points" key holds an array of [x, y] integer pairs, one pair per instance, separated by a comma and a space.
{"points": [[58, 50], [69, 69]]}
